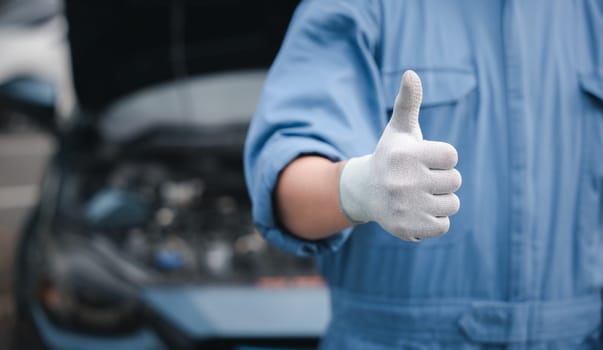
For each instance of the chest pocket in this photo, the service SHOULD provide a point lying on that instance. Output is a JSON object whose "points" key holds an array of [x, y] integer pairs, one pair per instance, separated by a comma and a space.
{"points": [[448, 113], [441, 86]]}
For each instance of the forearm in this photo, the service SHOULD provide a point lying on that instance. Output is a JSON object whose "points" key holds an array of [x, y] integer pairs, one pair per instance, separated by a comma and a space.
{"points": [[307, 198]]}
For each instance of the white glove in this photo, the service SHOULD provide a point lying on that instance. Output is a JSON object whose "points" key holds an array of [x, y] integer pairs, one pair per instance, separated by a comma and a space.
{"points": [[407, 184]]}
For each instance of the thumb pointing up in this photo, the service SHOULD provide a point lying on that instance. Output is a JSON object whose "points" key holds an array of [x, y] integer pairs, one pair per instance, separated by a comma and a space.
{"points": [[406, 108], [407, 184]]}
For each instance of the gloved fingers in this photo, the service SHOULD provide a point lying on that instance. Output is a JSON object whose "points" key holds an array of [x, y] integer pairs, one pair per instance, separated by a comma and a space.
{"points": [[445, 205], [444, 181], [443, 224], [425, 226], [438, 226], [438, 155]]}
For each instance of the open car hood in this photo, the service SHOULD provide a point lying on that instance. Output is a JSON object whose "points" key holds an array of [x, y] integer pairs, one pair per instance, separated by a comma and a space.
{"points": [[211, 106], [120, 47]]}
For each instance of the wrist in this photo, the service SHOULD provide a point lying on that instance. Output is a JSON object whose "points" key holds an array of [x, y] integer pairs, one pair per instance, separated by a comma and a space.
{"points": [[354, 189]]}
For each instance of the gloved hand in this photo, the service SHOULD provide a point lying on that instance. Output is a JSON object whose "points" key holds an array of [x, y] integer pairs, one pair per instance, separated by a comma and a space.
{"points": [[407, 184]]}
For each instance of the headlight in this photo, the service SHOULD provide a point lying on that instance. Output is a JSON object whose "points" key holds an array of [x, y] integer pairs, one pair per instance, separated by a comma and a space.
{"points": [[84, 287]]}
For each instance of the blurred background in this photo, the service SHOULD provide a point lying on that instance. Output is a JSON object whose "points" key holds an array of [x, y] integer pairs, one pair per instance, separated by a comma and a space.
{"points": [[31, 41], [124, 218]]}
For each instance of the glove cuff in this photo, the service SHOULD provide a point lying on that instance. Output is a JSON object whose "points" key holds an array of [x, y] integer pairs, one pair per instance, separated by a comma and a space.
{"points": [[354, 190]]}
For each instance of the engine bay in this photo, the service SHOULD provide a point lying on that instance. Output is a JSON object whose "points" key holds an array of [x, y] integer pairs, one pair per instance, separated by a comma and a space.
{"points": [[179, 223], [145, 222]]}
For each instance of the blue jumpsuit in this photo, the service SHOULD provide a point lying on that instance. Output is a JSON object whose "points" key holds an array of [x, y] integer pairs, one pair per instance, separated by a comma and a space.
{"points": [[517, 87]]}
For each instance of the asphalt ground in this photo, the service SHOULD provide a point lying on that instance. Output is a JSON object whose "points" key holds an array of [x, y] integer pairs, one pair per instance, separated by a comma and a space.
{"points": [[23, 157]]}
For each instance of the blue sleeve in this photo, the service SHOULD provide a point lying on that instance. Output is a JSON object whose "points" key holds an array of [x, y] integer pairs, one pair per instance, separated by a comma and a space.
{"points": [[323, 96]]}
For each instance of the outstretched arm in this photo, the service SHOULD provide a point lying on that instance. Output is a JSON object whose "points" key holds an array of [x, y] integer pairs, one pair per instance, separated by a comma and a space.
{"points": [[407, 185]]}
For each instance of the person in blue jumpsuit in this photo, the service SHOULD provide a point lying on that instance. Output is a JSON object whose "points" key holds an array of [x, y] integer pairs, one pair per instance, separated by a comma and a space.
{"points": [[516, 88]]}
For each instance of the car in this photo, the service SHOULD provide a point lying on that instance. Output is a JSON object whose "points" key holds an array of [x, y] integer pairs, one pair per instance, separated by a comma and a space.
{"points": [[142, 236], [32, 38]]}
